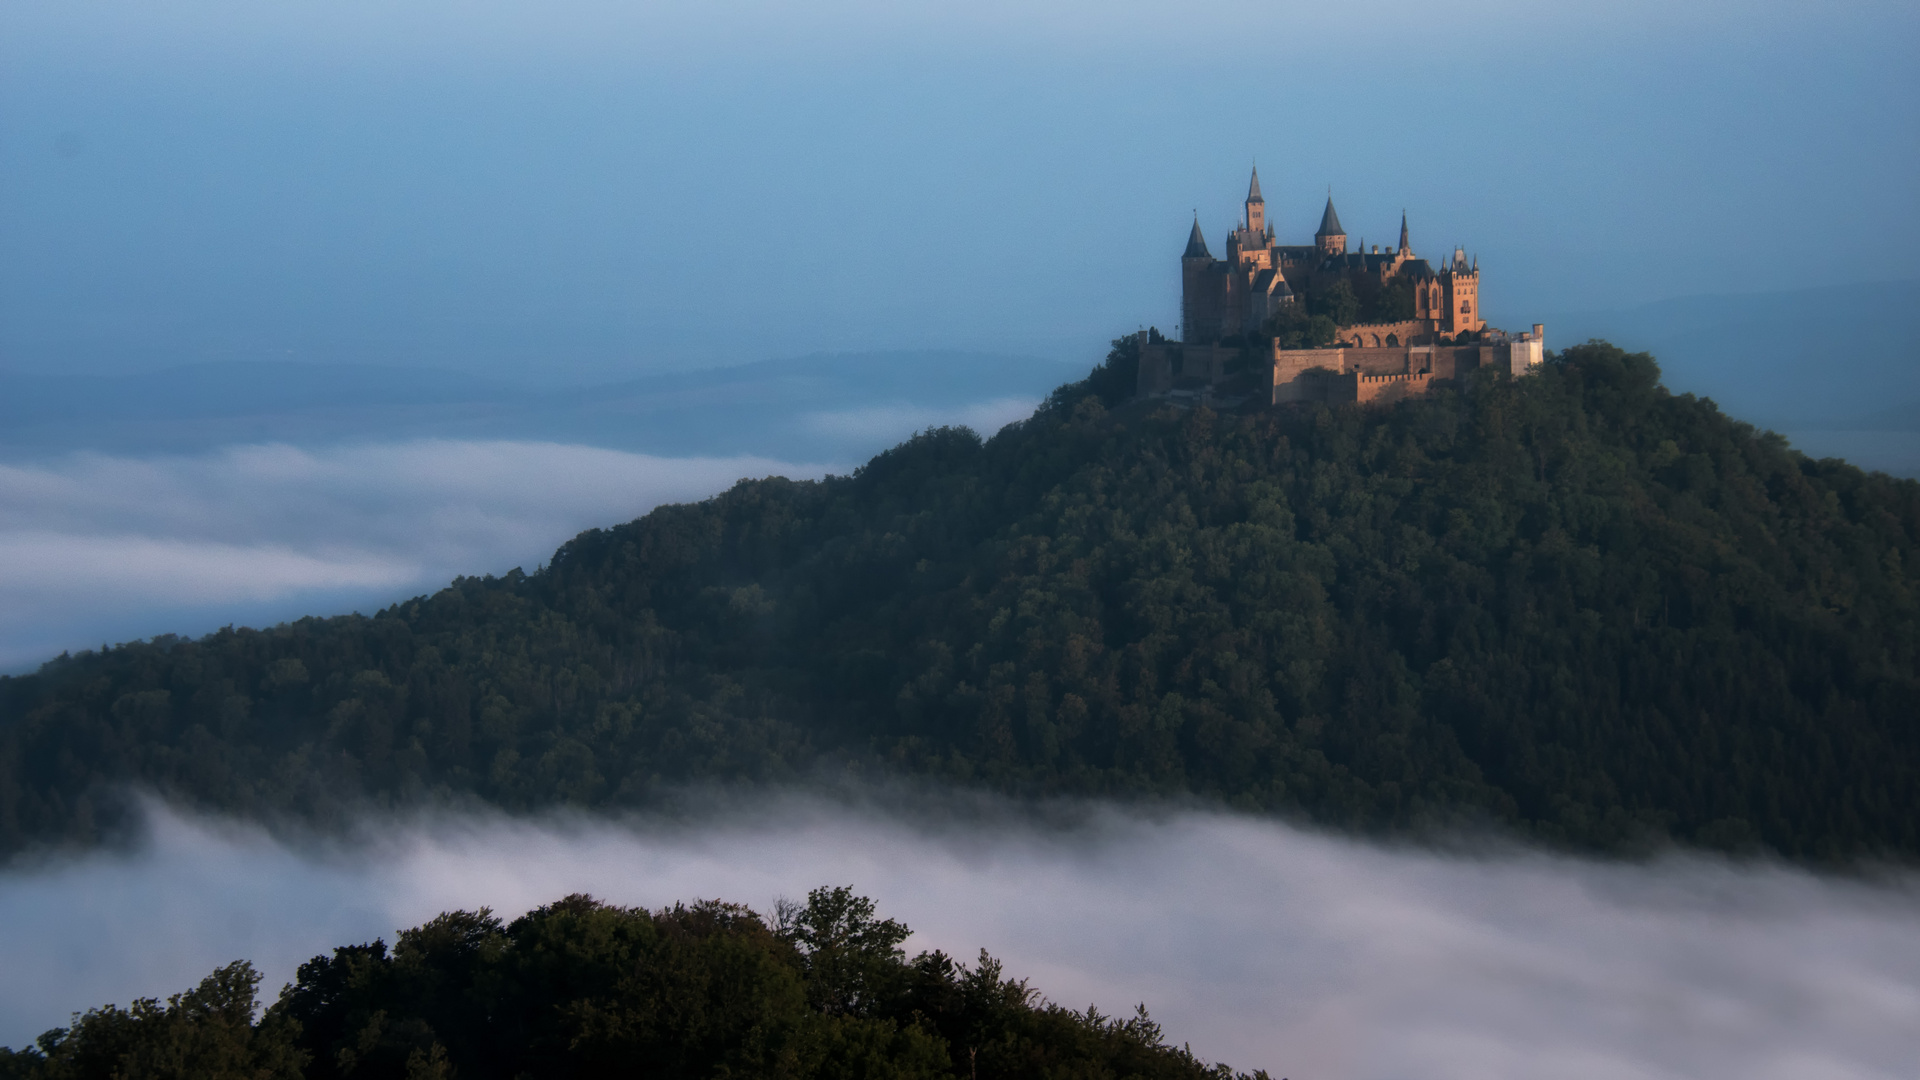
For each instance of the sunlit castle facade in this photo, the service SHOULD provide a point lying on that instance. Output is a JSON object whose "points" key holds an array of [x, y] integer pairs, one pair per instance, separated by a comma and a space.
{"points": [[1228, 304], [1233, 295]]}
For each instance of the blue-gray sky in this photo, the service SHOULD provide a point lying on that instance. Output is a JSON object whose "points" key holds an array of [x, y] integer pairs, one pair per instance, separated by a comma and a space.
{"points": [[574, 191]]}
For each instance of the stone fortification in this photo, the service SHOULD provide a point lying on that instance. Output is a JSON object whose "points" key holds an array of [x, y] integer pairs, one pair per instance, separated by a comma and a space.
{"points": [[1227, 352], [1388, 335], [1239, 373]]}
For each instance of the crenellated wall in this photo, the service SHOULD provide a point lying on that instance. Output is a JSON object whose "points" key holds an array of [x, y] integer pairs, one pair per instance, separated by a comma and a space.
{"points": [[1368, 389]]}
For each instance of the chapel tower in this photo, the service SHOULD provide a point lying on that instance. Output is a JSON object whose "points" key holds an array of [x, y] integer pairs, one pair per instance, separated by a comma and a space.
{"points": [[1256, 206]]}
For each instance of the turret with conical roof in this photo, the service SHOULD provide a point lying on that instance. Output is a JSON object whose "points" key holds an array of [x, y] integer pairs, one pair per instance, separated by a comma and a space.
{"points": [[1330, 237], [1196, 244], [1203, 288], [1406, 248]]}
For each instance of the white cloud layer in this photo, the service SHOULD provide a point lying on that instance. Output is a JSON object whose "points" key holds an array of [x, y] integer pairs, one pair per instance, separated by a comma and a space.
{"points": [[1260, 944], [94, 546]]}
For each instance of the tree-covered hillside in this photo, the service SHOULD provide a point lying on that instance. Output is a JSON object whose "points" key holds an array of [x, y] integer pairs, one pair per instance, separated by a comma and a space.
{"points": [[581, 989], [1572, 603]]}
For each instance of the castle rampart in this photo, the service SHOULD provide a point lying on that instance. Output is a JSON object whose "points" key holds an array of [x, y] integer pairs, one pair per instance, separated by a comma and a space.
{"points": [[1339, 373]]}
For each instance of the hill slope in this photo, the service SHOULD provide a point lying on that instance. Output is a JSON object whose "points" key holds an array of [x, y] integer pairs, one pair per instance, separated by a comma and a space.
{"points": [[1573, 603]]}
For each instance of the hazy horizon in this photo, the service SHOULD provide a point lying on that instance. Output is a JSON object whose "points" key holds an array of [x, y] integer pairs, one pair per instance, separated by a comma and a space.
{"points": [[179, 502]]}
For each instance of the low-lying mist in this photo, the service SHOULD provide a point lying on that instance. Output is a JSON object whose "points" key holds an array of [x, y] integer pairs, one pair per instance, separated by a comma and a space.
{"points": [[1259, 944], [95, 547]]}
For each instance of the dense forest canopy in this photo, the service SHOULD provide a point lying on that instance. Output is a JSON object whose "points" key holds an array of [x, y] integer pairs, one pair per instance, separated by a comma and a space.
{"points": [[581, 989], [1570, 604]]}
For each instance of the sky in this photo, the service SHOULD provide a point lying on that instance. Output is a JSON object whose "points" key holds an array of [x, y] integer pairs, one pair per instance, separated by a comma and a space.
{"points": [[577, 191], [1258, 944]]}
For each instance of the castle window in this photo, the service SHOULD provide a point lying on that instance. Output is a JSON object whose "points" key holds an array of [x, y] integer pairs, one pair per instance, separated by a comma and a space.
{"points": [[1465, 307]]}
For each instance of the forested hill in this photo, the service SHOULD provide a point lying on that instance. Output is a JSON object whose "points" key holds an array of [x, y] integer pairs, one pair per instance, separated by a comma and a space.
{"points": [[1572, 604]]}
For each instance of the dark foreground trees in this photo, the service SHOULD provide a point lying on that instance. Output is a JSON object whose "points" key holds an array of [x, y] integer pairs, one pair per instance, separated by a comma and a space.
{"points": [[1571, 604], [583, 989]]}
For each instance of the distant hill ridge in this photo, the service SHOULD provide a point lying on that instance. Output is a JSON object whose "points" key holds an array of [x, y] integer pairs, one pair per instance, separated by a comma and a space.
{"points": [[757, 408], [1833, 356], [1572, 604]]}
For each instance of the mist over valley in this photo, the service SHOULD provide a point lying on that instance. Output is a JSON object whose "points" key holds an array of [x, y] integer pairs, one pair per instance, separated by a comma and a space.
{"points": [[1259, 944]]}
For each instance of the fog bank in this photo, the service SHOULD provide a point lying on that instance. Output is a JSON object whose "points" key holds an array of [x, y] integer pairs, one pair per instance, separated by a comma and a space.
{"points": [[1259, 944], [97, 547]]}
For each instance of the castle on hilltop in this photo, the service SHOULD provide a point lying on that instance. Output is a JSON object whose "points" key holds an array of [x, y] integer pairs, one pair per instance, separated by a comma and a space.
{"points": [[1322, 322]]}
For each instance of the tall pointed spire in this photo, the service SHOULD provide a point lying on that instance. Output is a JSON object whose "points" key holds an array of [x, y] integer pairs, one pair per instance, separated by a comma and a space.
{"points": [[1405, 247], [1196, 244], [1256, 209]]}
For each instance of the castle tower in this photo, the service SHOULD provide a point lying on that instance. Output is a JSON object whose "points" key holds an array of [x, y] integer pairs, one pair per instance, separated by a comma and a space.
{"points": [[1463, 294], [1202, 290], [1330, 238], [1196, 244], [1256, 206], [1405, 247]]}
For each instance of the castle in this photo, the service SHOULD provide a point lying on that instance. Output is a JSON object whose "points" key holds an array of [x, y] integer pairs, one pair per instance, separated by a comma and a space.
{"points": [[1230, 308]]}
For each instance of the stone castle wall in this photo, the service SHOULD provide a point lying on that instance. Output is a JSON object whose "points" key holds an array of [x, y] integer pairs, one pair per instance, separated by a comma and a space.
{"points": [[1334, 374], [1370, 374], [1375, 335]]}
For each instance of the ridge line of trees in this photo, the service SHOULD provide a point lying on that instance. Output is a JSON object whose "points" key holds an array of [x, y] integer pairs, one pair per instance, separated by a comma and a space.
{"points": [[579, 988]]}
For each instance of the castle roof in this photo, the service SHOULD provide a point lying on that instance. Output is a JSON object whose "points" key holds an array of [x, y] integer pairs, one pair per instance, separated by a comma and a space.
{"points": [[1349, 261], [1330, 222], [1271, 282], [1253, 191], [1196, 244]]}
